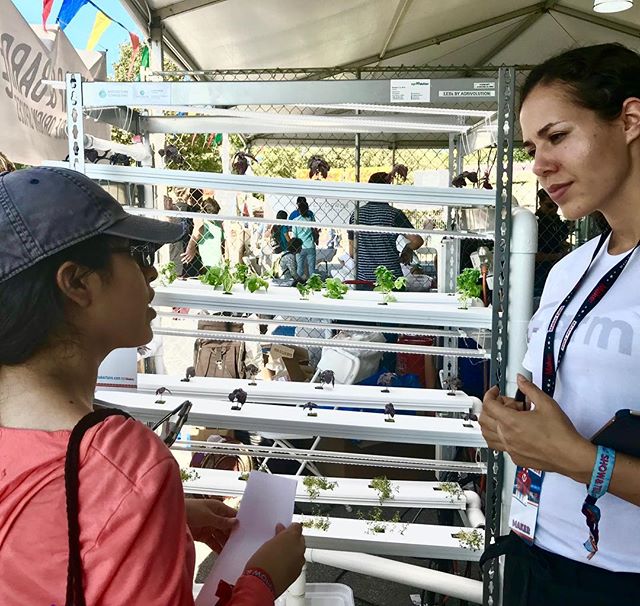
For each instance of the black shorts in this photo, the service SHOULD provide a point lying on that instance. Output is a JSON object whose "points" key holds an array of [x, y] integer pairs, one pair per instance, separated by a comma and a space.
{"points": [[535, 577]]}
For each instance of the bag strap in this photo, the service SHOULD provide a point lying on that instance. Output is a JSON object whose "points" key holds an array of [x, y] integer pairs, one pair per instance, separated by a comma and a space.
{"points": [[75, 591]]}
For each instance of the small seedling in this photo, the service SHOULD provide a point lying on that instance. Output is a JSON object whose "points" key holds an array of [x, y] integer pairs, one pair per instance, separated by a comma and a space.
{"points": [[314, 485], [252, 370], [376, 525], [452, 489], [160, 392], [386, 379], [467, 418], [470, 539], [240, 396], [327, 377], [189, 475], [453, 384], [168, 274], [244, 476], [389, 413], [322, 523], [188, 374], [384, 488], [311, 406]]}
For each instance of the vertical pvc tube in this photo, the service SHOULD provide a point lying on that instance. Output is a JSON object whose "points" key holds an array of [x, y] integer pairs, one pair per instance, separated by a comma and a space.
{"points": [[524, 245]]}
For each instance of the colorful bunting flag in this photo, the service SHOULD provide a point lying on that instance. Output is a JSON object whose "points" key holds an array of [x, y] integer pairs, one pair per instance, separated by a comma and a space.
{"points": [[215, 138], [101, 23], [47, 5], [135, 49], [144, 58], [68, 11]]}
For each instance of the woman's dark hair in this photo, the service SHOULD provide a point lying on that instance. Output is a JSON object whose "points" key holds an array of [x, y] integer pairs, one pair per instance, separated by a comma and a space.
{"points": [[295, 245], [240, 162], [33, 307], [598, 77], [281, 214], [303, 206], [318, 166], [379, 177]]}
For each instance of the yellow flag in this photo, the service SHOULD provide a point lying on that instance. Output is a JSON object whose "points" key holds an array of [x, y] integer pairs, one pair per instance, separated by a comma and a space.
{"points": [[101, 23]]}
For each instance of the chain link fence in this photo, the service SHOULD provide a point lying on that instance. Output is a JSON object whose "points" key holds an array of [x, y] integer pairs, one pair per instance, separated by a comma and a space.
{"points": [[351, 158]]}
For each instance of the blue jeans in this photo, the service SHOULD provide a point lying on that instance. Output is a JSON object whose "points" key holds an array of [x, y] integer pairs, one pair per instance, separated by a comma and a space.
{"points": [[306, 261]]}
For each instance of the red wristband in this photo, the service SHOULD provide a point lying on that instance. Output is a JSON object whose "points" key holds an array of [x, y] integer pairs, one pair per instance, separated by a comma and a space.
{"points": [[264, 576]]}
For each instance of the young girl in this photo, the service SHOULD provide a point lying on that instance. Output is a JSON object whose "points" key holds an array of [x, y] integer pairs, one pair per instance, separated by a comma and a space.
{"points": [[576, 535], [91, 505]]}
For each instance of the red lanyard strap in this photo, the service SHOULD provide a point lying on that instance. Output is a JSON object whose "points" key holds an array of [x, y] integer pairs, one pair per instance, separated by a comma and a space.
{"points": [[549, 365]]}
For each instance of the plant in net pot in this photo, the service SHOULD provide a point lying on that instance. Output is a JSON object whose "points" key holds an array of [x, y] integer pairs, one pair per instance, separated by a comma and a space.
{"points": [[468, 287]]}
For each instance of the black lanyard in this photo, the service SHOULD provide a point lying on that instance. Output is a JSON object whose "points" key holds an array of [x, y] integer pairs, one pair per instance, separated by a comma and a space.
{"points": [[549, 365]]}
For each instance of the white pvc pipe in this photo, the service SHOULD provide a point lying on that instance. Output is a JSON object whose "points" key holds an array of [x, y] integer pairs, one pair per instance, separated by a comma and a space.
{"points": [[399, 572], [524, 244], [137, 151], [296, 592], [474, 511]]}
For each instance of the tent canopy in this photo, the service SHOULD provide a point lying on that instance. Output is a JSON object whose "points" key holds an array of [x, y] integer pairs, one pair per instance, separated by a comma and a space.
{"points": [[244, 34]]}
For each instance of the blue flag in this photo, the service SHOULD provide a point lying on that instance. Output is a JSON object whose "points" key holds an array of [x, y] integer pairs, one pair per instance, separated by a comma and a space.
{"points": [[68, 11]]}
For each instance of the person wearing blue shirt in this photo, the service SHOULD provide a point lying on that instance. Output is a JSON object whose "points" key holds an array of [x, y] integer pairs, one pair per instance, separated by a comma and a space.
{"points": [[307, 257]]}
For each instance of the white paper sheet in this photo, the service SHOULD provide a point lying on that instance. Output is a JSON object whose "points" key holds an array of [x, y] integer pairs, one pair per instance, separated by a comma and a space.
{"points": [[267, 501]]}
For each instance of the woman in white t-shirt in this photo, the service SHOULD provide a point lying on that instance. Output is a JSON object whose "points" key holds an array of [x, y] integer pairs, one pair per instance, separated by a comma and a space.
{"points": [[575, 515]]}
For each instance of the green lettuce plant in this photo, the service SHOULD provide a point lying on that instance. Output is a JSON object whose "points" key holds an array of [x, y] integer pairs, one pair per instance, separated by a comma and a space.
{"points": [[334, 288], [315, 283], [168, 274], [386, 282], [467, 286], [255, 282]]}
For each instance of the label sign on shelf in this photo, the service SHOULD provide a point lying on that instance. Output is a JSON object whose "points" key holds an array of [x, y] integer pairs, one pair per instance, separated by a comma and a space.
{"points": [[116, 94], [152, 92], [484, 85], [417, 91], [467, 93]]}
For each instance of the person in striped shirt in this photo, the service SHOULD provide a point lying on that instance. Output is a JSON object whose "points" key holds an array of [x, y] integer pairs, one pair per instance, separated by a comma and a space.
{"points": [[377, 248]]}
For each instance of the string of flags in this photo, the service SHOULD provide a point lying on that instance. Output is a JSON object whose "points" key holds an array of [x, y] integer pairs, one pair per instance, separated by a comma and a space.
{"points": [[69, 10]]}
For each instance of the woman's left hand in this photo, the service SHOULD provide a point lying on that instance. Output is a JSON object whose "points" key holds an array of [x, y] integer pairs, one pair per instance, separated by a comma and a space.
{"points": [[542, 438], [210, 521]]}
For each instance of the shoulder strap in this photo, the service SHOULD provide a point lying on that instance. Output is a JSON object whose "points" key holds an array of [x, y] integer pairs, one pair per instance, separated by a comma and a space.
{"points": [[75, 591]]}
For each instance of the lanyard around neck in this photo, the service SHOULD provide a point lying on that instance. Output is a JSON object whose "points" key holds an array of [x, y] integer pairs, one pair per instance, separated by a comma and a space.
{"points": [[550, 367]]}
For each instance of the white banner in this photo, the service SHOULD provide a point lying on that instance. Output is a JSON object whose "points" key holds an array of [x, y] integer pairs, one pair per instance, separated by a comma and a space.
{"points": [[33, 116]]}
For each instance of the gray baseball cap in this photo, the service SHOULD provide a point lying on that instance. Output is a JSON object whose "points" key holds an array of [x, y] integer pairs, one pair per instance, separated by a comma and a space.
{"points": [[45, 210]]}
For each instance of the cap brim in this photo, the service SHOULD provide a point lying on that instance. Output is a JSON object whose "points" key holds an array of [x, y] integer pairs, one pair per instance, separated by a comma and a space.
{"points": [[144, 229]]}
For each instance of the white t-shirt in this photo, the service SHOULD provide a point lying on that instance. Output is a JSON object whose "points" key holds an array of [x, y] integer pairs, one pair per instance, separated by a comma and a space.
{"points": [[597, 377]]}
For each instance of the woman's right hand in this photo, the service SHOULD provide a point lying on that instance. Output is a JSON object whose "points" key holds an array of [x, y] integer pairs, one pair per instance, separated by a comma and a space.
{"points": [[282, 557]]}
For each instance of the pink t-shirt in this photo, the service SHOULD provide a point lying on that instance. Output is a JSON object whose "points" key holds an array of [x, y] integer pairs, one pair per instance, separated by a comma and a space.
{"points": [[136, 548]]}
